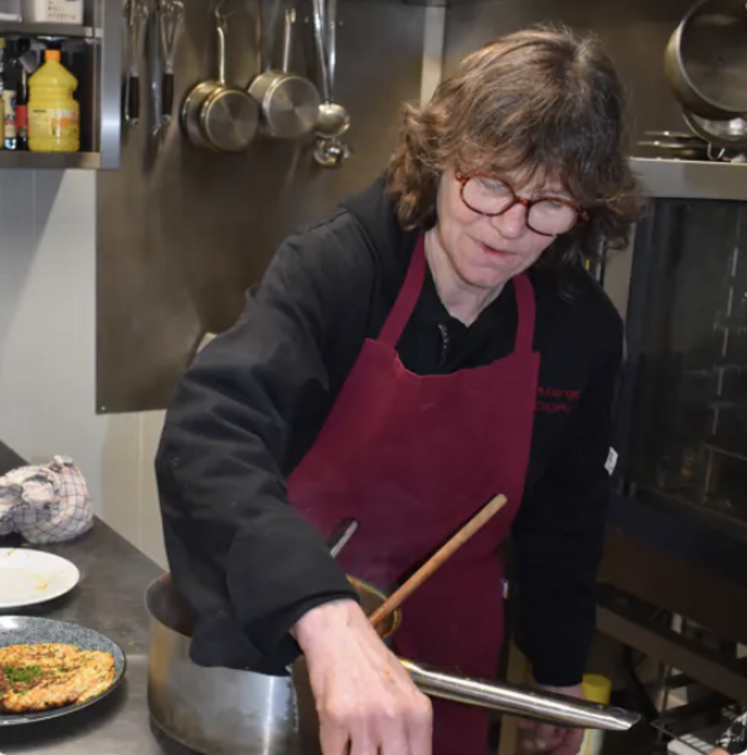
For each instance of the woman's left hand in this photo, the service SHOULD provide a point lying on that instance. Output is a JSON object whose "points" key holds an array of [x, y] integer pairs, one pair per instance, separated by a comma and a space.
{"points": [[548, 738]]}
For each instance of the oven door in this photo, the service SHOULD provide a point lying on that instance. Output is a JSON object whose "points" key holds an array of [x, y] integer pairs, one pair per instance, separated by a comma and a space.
{"points": [[681, 419]]}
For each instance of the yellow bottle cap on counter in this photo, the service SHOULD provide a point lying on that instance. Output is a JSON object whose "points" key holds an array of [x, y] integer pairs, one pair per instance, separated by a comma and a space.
{"points": [[597, 688]]}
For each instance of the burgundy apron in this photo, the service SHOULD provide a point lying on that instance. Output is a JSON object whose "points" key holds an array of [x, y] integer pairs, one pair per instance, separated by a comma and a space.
{"points": [[412, 458]]}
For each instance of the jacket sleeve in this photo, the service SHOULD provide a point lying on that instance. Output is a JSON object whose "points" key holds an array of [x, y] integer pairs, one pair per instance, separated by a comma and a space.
{"points": [[559, 535], [247, 565]]}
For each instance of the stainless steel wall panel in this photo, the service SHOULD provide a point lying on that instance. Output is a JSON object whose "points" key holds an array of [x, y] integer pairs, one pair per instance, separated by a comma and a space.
{"points": [[182, 233]]}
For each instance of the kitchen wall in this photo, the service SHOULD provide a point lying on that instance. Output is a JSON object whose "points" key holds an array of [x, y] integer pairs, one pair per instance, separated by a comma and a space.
{"points": [[47, 349], [47, 316], [185, 231]]}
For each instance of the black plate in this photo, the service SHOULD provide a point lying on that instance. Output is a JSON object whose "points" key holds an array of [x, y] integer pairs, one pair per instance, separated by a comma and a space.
{"points": [[34, 630]]}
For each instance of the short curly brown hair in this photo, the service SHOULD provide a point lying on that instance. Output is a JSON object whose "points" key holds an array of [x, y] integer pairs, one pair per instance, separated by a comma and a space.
{"points": [[542, 101]]}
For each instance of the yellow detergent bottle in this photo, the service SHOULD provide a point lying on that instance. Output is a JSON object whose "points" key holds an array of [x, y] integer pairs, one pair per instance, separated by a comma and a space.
{"points": [[53, 112], [597, 689]]}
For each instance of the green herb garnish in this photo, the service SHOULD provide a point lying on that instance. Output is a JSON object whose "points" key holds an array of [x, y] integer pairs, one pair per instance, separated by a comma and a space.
{"points": [[22, 674]]}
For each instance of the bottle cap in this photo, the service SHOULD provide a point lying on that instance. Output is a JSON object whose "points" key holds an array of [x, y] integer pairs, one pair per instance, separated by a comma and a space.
{"points": [[597, 689]]}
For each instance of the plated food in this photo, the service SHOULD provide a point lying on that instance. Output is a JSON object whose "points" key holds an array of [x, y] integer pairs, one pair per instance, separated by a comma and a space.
{"points": [[38, 677], [51, 668]]}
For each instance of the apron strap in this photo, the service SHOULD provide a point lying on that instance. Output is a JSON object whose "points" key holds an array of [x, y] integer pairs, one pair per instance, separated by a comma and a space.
{"points": [[410, 292], [527, 308], [408, 297]]}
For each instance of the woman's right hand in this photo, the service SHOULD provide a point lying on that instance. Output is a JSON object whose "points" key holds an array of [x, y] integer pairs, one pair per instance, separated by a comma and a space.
{"points": [[364, 696]]}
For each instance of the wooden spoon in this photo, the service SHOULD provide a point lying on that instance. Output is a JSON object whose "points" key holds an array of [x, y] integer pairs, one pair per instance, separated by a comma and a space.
{"points": [[438, 559]]}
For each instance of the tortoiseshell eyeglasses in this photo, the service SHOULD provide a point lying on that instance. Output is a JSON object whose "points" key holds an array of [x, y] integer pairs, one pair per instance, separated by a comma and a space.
{"points": [[492, 196]]}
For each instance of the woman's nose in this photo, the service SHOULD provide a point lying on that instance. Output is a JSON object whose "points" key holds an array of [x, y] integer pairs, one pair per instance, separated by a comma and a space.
{"points": [[511, 224]]}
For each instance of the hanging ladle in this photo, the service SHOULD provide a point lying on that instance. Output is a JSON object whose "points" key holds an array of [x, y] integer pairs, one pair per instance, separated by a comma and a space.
{"points": [[333, 120]]}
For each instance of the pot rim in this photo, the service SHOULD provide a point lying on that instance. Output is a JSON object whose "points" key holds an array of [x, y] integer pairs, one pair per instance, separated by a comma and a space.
{"points": [[395, 619]]}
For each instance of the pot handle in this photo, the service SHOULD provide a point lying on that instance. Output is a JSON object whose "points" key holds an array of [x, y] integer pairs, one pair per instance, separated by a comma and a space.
{"points": [[289, 21], [321, 48], [524, 702], [220, 28]]}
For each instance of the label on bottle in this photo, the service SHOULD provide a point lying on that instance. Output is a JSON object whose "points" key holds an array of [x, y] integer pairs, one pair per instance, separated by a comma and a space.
{"points": [[592, 742], [9, 115], [22, 121], [58, 123], [64, 11]]}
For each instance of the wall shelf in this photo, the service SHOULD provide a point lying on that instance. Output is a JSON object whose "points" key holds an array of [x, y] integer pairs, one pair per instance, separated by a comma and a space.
{"points": [[50, 160], [57, 31], [93, 54]]}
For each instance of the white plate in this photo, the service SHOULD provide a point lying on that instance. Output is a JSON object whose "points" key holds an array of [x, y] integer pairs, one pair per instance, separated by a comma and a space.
{"points": [[28, 577]]}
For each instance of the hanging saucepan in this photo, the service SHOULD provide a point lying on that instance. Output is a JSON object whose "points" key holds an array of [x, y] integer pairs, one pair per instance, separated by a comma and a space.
{"points": [[216, 115], [706, 60], [289, 103]]}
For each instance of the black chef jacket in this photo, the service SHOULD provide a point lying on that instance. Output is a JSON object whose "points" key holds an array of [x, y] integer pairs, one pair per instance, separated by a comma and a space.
{"points": [[252, 403]]}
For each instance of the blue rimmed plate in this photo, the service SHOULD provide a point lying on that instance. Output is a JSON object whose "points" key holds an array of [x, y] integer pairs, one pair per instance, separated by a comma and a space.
{"points": [[35, 630]]}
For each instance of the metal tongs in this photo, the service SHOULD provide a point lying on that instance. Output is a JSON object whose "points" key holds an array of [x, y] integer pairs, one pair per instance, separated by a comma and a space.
{"points": [[506, 698], [171, 22], [524, 702]]}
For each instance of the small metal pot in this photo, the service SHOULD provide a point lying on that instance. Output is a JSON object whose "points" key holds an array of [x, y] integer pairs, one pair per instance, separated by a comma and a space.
{"points": [[705, 61], [289, 103], [216, 115]]}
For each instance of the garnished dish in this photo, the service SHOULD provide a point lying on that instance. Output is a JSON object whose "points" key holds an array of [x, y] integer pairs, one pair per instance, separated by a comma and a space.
{"points": [[40, 677], [51, 668]]}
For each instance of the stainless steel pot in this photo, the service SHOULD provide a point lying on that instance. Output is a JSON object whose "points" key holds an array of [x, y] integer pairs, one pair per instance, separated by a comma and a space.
{"points": [[705, 60], [216, 115], [289, 103], [217, 711]]}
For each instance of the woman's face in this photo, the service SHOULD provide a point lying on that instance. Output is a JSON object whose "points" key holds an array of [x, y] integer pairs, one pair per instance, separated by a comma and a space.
{"points": [[486, 251]]}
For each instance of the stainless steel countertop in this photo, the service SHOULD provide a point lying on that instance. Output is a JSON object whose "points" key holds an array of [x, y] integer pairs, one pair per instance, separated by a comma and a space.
{"points": [[108, 598]]}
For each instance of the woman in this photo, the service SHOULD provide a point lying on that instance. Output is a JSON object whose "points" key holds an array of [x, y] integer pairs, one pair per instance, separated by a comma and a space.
{"points": [[433, 342]]}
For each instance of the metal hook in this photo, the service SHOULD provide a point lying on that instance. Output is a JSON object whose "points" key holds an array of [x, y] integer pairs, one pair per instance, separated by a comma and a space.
{"points": [[221, 16]]}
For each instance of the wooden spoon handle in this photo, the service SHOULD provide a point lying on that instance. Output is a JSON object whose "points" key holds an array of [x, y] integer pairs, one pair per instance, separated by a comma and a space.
{"points": [[438, 559]]}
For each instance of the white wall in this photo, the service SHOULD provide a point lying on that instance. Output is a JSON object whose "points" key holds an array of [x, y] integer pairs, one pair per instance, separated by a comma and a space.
{"points": [[48, 348]]}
